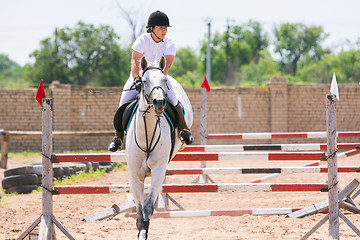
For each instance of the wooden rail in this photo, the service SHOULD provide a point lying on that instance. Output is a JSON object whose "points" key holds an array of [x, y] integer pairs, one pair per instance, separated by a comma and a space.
{"points": [[5, 139]]}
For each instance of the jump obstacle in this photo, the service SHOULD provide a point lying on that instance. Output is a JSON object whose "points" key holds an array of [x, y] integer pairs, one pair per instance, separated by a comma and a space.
{"points": [[267, 136], [201, 171], [204, 156], [47, 219], [315, 163], [267, 147], [197, 188], [235, 212]]}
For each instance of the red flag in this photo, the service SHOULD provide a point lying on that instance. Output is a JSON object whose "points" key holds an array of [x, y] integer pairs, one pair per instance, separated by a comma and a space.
{"points": [[40, 93], [205, 84]]}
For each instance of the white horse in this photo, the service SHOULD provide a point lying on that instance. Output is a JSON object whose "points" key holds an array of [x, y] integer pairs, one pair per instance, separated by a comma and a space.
{"points": [[148, 140]]}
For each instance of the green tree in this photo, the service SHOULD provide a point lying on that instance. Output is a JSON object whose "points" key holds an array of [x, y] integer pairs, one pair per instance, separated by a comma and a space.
{"points": [[186, 68], [185, 61], [257, 38], [294, 41], [11, 73], [346, 66], [237, 46], [258, 74], [6, 63], [84, 55]]}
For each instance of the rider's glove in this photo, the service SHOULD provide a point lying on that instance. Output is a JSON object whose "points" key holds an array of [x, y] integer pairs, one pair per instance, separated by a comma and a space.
{"points": [[137, 83]]}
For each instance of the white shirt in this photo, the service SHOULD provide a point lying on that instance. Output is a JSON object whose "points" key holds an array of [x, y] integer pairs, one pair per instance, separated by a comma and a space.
{"points": [[152, 50]]}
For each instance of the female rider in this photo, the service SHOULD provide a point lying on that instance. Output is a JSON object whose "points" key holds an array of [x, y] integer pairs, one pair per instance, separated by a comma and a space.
{"points": [[152, 45]]}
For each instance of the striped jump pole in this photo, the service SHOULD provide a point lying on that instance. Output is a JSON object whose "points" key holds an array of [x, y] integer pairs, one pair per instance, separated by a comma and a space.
{"points": [[316, 163], [286, 135], [285, 170], [236, 212], [267, 147], [197, 188], [203, 156], [342, 155]]}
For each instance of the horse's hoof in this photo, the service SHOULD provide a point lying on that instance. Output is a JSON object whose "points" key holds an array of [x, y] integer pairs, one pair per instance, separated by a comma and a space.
{"points": [[142, 235]]}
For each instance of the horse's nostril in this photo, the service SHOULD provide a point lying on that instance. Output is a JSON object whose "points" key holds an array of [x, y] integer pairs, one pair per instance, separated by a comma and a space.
{"points": [[158, 102]]}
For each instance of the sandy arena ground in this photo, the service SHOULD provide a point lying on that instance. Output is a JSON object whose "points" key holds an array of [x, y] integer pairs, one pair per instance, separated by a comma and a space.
{"points": [[18, 212]]}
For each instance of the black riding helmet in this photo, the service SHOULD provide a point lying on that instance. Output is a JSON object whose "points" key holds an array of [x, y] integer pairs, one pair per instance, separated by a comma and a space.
{"points": [[158, 18]]}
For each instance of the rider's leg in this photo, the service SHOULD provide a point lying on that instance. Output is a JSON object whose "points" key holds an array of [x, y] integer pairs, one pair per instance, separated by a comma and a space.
{"points": [[126, 97], [184, 130]]}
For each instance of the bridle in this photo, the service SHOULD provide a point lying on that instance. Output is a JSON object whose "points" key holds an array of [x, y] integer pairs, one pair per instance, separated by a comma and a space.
{"points": [[150, 146]]}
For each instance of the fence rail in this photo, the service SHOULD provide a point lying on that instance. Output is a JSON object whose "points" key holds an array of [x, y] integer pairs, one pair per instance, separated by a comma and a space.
{"points": [[6, 135]]}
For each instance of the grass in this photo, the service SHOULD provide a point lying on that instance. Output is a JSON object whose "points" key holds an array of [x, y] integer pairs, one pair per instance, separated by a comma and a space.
{"points": [[81, 177], [23, 154]]}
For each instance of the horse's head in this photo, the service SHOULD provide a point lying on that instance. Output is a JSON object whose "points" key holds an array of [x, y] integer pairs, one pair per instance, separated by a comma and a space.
{"points": [[154, 86]]}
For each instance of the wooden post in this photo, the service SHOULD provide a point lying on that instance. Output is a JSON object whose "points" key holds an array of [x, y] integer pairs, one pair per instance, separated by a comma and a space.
{"points": [[4, 149], [203, 125], [332, 167], [47, 219], [46, 224]]}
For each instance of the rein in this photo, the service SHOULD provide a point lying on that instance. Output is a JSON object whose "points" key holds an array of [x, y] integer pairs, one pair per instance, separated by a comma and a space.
{"points": [[148, 149], [149, 145]]}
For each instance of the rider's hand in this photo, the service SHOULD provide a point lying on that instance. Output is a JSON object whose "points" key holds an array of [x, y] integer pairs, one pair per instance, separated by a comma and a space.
{"points": [[137, 83]]}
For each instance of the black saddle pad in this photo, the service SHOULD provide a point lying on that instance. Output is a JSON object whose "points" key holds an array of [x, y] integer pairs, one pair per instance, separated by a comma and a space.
{"points": [[120, 119], [125, 113]]}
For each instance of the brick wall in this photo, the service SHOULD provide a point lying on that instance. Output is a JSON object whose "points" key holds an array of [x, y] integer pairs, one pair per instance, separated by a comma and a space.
{"points": [[279, 107]]}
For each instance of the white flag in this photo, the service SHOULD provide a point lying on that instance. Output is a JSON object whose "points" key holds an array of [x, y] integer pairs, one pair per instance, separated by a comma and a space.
{"points": [[334, 87]]}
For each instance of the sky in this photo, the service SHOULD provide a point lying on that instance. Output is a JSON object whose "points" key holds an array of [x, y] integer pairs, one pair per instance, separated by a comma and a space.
{"points": [[24, 24]]}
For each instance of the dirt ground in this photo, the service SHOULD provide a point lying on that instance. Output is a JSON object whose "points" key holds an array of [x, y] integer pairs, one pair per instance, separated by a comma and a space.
{"points": [[18, 212]]}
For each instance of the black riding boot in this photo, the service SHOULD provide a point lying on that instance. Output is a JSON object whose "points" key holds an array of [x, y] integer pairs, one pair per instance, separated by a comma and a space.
{"points": [[119, 134], [116, 142], [184, 131]]}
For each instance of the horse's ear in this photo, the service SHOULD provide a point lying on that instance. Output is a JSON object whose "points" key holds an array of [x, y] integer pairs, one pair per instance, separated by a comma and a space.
{"points": [[143, 63], [162, 63]]}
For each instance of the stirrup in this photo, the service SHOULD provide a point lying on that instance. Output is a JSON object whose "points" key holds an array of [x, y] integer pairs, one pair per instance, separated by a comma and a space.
{"points": [[115, 144], [186, 136]]}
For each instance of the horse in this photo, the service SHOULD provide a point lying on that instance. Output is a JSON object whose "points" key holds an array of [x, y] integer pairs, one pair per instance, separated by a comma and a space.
{"points": [[148, 140]]}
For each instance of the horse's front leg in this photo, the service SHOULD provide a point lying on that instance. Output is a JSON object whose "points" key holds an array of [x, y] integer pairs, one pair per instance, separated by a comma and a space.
{"points": [[137, 190], [157, 178]]}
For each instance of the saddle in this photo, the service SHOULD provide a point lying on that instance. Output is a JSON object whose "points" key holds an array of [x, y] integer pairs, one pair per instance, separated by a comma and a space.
{"points": [[125, 113]]}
